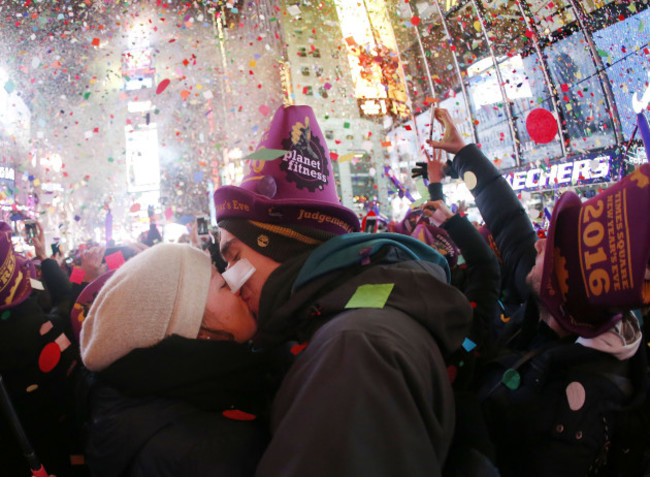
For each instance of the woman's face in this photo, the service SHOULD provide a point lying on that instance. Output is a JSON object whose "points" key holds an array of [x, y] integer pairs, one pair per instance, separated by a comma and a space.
{"points": [[226, 315]]}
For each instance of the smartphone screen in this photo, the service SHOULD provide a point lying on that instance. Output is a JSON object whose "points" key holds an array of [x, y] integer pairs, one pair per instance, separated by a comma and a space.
{"points": [[202, 226], [55, 248], [371, 225], [30, 230]]}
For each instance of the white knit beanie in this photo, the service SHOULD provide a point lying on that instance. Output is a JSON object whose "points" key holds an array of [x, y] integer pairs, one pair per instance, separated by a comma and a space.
{"points": [[159, 292]]}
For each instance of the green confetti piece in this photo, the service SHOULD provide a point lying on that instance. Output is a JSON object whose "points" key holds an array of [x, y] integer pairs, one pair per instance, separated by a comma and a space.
{"points": [[511, 379], [87, 95], [110, 159], [264, 154], [346, 125], [10, 86], [5, 315], [370, 296], [602, 53], [424, 193]]}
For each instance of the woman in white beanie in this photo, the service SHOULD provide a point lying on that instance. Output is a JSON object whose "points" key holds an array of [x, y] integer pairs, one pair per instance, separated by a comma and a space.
{"points": [[160, 401]]}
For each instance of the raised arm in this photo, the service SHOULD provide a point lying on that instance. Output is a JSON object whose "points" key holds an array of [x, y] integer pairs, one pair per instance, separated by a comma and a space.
{"points": [[499, 206]]}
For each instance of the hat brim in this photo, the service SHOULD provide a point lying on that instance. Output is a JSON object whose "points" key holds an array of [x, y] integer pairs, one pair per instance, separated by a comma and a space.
{"points": [[232, 202], [550, 293], [85, 300], [24, 287]]}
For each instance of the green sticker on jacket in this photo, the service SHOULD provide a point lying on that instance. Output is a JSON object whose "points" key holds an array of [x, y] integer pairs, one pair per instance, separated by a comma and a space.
{"points": [[371, 296]]}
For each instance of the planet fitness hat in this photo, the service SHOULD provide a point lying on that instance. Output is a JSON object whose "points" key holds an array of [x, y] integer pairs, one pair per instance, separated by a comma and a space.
{"points": [[295, 190], [15, 272], [596, 256]]}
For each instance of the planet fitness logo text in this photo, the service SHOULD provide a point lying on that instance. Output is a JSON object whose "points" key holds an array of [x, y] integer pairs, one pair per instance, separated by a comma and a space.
{"points": [[306, 164]]}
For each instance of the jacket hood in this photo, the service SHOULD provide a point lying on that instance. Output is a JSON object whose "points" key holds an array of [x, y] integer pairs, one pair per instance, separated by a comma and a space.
{"points": [[365, 271]]}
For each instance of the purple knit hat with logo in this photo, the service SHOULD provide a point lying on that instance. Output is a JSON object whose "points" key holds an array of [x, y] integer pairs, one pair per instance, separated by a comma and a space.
{"points": [[15, 272], [439, 239], [596, 256], [295, 191]]}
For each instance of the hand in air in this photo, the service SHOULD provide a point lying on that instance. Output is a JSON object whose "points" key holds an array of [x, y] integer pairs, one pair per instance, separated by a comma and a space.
{"points": [[451, 141]]}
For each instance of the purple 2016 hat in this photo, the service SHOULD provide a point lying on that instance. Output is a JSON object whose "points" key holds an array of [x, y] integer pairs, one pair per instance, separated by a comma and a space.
{"points": [[596, 256], [15, 272], [297, 188]]}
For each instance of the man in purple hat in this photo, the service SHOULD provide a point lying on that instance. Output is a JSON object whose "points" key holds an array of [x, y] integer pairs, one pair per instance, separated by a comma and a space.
{"points": [[372, 317], [569, 359]]}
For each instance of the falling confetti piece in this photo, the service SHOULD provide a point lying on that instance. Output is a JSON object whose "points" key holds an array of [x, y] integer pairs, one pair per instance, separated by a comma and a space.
{"points": [[264, 154], [114, 260], [541, 125], [77, 275], [162, 86], [264, 110]]}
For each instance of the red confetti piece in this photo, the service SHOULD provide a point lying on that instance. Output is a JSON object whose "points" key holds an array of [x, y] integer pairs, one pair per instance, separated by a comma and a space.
{"points": [[184, 94], [238, 415], [95, 42], [162, 86], [334, 156], [564, 87], [541, 125], [415, 21], [452, 371], [264, 110], [297, 348], [114, 260], [134, 208], [49, 357], [77, 275]]}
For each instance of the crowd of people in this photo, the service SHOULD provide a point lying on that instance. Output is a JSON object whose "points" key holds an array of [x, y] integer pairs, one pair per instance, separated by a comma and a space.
{"points": [[296, 345]]}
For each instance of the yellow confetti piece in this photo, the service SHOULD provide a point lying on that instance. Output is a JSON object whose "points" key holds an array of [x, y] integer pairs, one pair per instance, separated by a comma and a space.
{"points": [[346, 157]]}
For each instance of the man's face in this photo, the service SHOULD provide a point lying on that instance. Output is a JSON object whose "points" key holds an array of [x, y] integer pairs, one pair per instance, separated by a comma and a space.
{"points": [[534, 278], [234, 249]]}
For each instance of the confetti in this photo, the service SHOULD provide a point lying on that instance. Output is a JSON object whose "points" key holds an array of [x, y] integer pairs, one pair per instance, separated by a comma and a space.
{"points": [[541, 125], [370, 296], [264, 154], [162, 86]]}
